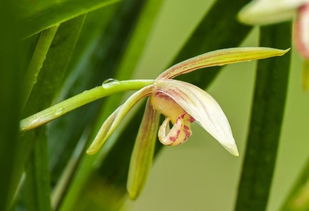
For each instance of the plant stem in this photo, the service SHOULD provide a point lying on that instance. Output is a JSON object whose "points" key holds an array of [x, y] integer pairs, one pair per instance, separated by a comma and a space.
{"points": [[79, 100], [37, 60]]}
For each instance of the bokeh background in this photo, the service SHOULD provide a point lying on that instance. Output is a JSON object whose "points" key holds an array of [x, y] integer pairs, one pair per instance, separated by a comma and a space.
{"points": [[201, 175]]}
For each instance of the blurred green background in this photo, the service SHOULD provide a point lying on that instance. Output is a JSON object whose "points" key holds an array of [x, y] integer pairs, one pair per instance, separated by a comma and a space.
{"points": [[201, 175]]}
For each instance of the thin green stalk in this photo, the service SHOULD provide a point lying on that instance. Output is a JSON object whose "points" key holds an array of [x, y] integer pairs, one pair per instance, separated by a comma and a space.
{"points": [[266, 119], [79, 100], [37, 60], [298, 199]]}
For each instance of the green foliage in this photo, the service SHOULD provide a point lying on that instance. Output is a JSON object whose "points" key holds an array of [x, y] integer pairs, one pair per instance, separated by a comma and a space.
{"points": [[268, 105], [10, 102], [58, 12]]}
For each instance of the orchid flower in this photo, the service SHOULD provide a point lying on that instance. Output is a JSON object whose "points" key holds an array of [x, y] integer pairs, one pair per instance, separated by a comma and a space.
{"points": [[182, 104], [261, 12]]}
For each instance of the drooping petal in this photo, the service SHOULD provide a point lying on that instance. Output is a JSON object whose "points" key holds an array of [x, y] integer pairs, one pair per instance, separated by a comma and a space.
{"points": [[142, 155], [261, 12], [219, 58], [302, 31], [179, 133], [100, 137], [203, 108], [115, 118]]}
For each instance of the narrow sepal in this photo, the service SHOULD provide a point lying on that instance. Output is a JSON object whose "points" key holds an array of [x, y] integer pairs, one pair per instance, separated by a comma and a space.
{"points": [[219, 58], [115, 119], [142, 155], [100, 139], [203, 108]]}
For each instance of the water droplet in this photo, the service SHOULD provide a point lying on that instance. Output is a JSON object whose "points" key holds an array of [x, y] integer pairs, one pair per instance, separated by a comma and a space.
{"points": [[109, 82]]}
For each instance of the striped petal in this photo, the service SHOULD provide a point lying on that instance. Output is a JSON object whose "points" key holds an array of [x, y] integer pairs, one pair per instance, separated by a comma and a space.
{"points": [[261, 12], [115, 119], [142, 155], [179, 133], [219, 58], [203, 108]]}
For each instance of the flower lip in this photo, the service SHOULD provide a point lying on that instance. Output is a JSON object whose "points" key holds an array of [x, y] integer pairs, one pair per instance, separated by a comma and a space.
{"points": [[203, 108]]}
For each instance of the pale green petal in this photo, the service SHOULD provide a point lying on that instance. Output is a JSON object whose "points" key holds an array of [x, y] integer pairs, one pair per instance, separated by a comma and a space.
{"points": [[261, 12], [100, 137], [203, 108], [115, 119], [142, 155], [219, 58]]}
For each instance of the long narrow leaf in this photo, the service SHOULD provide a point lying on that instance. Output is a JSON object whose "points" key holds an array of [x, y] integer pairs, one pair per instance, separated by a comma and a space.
{"points": [[37, 183], [60, 12], [44, 91], [10, 102], [266, 120], [37, 60]]}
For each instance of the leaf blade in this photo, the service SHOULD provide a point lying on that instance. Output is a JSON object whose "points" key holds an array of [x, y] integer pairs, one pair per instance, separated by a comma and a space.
{"points": [[59, 13], [266, 120]]}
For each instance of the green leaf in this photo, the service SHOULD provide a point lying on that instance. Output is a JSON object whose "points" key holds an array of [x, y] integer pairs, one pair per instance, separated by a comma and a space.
{"points": [[266, 120], [49, 81], [37, 183], [80, 76], [10, 102], [59, 12], [37, 60]]}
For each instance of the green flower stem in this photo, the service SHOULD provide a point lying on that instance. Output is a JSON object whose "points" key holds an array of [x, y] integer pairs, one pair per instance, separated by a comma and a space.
{"points": [[79, 100], [37, 60]]}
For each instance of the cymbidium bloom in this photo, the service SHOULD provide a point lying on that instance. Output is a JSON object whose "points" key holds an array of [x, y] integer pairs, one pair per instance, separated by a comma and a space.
{"points": [[181, 103], [261, 12]]}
